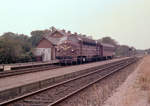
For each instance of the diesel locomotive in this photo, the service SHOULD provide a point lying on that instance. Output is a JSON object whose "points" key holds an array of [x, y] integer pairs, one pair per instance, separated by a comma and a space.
{"points": [[79, 49]]}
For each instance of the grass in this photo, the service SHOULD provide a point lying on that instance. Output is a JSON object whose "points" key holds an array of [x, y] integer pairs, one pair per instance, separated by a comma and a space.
{"points": [[144, 78], [137, 89]]}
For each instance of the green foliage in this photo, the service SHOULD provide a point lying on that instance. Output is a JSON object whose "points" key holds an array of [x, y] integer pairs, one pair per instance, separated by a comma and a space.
{"points": [[36, 37], [14, 48], [18, 47], [123, 50], [9, 50], [109, 40]]}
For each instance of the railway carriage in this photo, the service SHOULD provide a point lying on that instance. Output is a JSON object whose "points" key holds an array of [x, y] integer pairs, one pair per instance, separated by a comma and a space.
{"points": [[108, 51], [76, 48]]}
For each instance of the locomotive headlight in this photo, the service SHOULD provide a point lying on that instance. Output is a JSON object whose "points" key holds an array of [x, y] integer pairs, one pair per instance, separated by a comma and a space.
{"points": [[72, 50]]}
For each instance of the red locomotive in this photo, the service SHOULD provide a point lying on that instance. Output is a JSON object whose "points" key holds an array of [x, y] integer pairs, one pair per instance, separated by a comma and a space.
{"points": [[79, 49]]}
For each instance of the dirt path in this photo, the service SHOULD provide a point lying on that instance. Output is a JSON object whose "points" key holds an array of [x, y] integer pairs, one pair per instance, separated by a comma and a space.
{"points": [[135, 91]]}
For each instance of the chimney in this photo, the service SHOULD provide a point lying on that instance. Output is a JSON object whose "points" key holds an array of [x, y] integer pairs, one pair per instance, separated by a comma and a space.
{"points": [[76, 33], [53, 28], [64, 31], [69, 32]]}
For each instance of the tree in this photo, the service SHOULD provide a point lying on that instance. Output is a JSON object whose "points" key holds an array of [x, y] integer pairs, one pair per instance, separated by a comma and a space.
{"points": [[15, 48], [24, 40], [36, 37], [109, 40], [21, 39], [10, 51], [123, 50]]}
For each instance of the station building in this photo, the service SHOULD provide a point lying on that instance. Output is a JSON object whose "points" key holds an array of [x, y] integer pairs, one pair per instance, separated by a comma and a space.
{"points": [[46, 48]]}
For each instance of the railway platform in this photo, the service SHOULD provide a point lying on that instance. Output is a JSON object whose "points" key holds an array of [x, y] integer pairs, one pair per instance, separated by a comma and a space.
{"points": [[7, 67], [13, 86]]}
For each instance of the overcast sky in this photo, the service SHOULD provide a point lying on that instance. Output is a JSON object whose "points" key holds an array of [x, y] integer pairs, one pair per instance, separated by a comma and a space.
{"points": [[127, 21]]}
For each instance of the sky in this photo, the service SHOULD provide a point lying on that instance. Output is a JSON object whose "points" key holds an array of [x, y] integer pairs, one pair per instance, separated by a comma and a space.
{"points": [[126, 21]]}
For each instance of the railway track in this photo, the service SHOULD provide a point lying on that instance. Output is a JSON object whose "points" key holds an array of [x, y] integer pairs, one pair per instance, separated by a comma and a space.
{"points": [[27, 70], [54, 94]]}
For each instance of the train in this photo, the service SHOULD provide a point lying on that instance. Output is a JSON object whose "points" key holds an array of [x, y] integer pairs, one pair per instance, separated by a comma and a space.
{"points": [[81, 49], [71, 48]]}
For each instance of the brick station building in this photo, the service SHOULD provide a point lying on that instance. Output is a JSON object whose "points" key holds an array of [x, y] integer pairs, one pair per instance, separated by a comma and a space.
{"points": [[46, 48]]}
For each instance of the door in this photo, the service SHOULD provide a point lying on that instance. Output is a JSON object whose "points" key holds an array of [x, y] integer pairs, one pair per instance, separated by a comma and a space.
{"points": [[47, 54]]}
